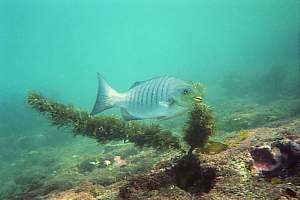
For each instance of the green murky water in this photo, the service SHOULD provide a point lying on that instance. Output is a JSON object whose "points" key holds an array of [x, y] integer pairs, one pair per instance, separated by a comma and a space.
{"points": [[246, 53]]}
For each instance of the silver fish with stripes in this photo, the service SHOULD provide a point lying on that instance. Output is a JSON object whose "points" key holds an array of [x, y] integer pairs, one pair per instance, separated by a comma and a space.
{"points": [[158, 98]]}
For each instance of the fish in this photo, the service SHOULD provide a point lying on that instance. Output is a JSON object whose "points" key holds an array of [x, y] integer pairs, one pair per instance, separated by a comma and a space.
{"points": [[161, 97]]}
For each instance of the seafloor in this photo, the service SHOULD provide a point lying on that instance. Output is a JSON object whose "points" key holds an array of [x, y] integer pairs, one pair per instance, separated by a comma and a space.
{"points": [[53, 165]]}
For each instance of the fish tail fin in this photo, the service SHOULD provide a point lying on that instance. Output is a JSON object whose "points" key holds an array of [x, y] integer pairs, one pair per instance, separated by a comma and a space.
{"points": [[106, 96]]}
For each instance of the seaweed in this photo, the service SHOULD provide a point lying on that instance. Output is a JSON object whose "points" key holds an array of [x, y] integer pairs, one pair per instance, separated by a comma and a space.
{"points": [[152, 135], [198, 127], [102, 128]]}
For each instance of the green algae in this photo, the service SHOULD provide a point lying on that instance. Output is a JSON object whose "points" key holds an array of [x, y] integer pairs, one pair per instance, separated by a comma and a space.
{"points": [[238, 137], [213, 147]]}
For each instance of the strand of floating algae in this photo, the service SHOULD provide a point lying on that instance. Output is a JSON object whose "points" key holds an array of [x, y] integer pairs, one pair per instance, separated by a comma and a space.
{"points": [[102, 128]]}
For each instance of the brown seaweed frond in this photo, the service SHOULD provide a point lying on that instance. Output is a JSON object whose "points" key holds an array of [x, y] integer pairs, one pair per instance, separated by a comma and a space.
{"points": [[102, 128], [199, 126], [152, 135]]}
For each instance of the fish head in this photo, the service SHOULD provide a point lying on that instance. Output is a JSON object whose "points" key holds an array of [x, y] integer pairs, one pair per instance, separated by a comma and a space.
{"points": [[187, 93]]}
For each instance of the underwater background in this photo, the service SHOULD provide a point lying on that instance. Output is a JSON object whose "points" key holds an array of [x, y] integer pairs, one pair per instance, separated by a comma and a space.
{"points": [[246, 53]]}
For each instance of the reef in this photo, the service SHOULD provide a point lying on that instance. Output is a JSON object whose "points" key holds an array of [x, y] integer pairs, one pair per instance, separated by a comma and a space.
{"points": [[102, 128], [280, 158], [185, 171], [239, 114], [251, 100], [257, 163], [230, 174]]}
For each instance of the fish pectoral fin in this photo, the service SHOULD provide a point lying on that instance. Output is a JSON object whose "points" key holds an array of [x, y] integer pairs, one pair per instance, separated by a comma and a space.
{"points": [[167, 104], [164, 104], [127, 116]]}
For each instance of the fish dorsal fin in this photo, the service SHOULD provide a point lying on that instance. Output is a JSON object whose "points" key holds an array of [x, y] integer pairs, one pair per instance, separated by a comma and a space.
{"points": [[136, 84], [140, 82]]}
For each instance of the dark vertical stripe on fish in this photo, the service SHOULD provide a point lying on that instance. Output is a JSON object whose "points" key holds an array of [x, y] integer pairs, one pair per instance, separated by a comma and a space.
{"points": [[133, 98], [163, 87], [143, 95], [136, 98], [148, 94], [167, 87], [139, 105], [131, 102], [158, 89], [137, 94], [153, 93]]}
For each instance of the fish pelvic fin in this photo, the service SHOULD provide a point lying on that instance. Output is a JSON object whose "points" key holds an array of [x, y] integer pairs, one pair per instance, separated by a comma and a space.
{"points": [[106, 96], [127, 116]]}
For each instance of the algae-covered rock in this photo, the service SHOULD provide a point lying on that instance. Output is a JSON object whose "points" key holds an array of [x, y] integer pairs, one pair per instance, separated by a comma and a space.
{"points": [[87, 165], [239, 114], [186, 175], [71, 195]]}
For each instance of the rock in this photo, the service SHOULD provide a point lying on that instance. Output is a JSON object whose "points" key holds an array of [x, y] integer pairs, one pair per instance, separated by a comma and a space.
{"points": [[290, 192], [71, 195], [87, 166], [280, 158]]}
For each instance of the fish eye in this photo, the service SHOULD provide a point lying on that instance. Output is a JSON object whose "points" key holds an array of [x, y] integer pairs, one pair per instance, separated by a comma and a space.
{"points": [[186, 91]]}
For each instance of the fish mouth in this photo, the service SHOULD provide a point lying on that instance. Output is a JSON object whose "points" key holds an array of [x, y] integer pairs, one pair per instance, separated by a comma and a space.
{"points": [[199, 99]]}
